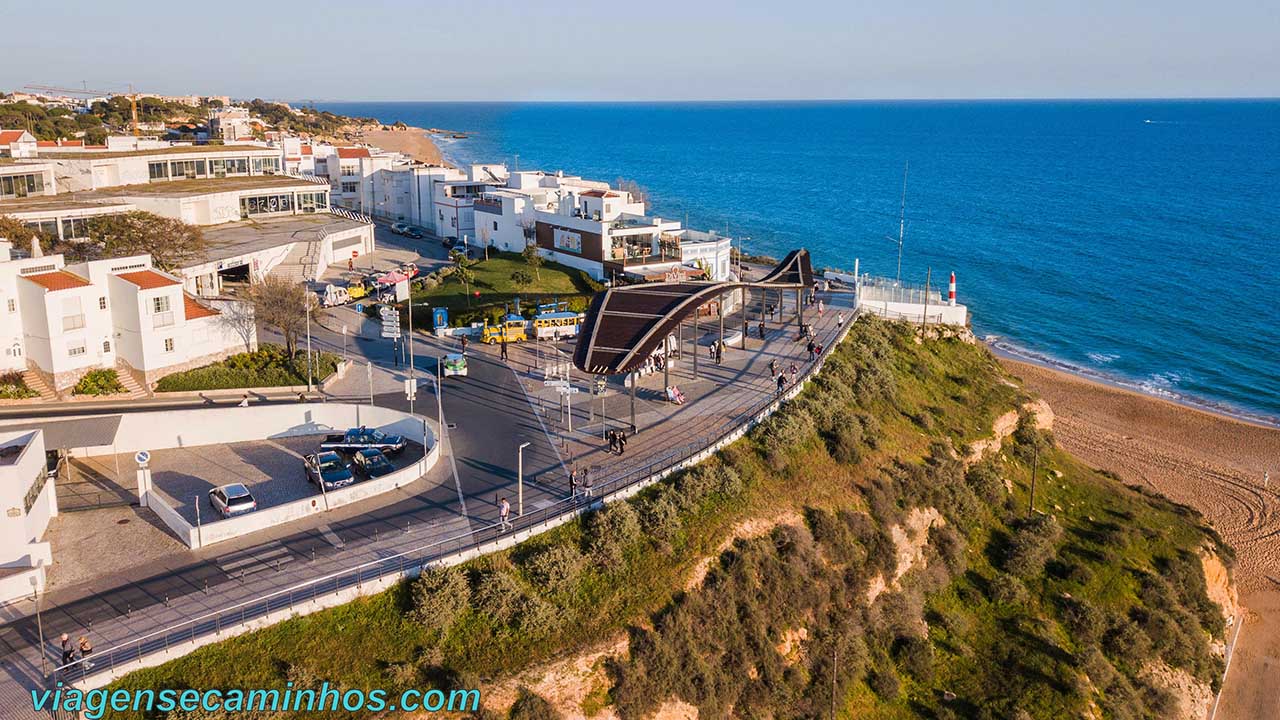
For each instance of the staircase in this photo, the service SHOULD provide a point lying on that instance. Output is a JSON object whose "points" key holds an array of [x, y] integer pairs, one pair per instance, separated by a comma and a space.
{"points": [[131, 384], [299, 265], [37, 383]]}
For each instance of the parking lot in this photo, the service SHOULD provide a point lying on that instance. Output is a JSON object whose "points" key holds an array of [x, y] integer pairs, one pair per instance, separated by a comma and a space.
{"points": [[271, 469]]}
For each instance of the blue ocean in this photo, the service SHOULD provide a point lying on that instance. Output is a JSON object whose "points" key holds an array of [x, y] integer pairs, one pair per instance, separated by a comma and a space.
{"points": [[1132, 241]]}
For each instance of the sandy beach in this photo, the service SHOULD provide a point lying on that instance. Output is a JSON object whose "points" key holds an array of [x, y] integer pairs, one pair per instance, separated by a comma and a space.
{"points": [[412, 141], [1210, 462]]}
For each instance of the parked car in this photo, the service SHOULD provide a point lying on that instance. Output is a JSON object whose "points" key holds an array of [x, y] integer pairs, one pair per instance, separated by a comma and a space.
{"points": [[334, 295], [362, 438], [399, 228], [327, 467], [454, 364], [372, 463], [449, 242], [231, 500], [410, 270], [413, 231]]}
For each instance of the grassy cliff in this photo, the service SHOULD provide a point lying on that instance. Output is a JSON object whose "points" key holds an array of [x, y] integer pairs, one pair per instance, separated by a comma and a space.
{"points": [[856, 552]]}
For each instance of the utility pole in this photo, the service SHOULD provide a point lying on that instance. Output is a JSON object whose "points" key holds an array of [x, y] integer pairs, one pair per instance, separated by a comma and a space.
{"points": [[413, 381], [902, 218], [1035, 463], [924, 316], [520, 479], [308, 311], [35, 595]]}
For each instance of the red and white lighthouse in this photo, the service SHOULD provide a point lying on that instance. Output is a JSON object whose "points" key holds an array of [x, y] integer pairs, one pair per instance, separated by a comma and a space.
{"points": [[951, 290]]}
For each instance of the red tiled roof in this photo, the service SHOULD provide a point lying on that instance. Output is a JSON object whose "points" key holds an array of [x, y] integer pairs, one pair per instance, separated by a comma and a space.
{"points": [[46, 143], [59, 143], [292, 158], [58, 280], [348, 153], [95, 147], [10, 136], [306, 149], [148, 279], [196, 310], [600, 194]]}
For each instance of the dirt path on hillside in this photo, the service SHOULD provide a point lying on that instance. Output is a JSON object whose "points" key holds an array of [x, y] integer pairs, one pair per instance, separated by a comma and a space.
{"points": [[1211, 463]]}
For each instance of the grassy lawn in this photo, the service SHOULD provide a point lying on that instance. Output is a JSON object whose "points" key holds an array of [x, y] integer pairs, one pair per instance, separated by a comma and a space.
{"points": [[269, 366], [493, 280], [872, 438]]}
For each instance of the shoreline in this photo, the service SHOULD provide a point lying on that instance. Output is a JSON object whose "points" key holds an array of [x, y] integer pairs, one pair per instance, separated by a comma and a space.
{"points": [[1005, 351], [1201, 459], [414, 142]]}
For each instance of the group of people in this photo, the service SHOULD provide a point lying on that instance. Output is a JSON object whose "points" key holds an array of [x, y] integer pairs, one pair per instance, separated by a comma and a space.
{"points": [[581, 480], [674, 395], [69, 650], [617, 441]]}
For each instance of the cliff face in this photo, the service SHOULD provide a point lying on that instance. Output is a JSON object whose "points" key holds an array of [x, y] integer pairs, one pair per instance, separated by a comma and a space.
{"points": [[852, 550]]}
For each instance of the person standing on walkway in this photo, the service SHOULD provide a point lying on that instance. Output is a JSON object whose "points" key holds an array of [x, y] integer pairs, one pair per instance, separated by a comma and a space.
{"points": [[773, 367], [719, 353], [573, 484], [588, 489], [839, 320], [760, 327], [622, 441], [504, 514], [86, 649], [464, 344], [782, 383], [810, 348], [68, 650], [613, 440], [503, 346], [794, 372]]}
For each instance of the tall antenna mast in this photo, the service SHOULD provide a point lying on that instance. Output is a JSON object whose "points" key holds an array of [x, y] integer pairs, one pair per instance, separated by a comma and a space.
{"points": [[902, 218]]}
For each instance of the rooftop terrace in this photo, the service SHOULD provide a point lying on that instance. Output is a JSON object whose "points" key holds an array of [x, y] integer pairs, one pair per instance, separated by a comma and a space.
{"points": [[175, 150]]}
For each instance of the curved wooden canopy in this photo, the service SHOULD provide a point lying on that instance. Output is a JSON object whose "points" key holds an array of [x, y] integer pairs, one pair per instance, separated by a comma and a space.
{"points": [[625, 325]]}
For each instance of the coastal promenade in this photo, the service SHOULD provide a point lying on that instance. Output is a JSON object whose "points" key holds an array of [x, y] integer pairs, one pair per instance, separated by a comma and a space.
{"points": [[164, 614]]}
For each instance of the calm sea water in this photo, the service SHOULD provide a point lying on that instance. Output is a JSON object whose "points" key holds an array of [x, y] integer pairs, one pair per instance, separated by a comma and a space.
{"points": [[1134, 241]]}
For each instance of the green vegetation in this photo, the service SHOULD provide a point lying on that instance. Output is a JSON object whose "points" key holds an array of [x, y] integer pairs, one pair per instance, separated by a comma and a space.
{"points": [[304, 119], [499, 280], [269, 366], [14, 387], [1011, 614], [102, 381]]}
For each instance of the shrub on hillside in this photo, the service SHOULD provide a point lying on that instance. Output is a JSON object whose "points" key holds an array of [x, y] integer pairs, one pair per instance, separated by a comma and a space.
{"points": [[439, 595], [555, 567], [102, 381], [532, 706], [1085, 622], [659, 514], [268, 366], [610, 531], [1028, 439], [1006, 589], [1033, 542], [784, 432], [915, 655], [498, 595]]}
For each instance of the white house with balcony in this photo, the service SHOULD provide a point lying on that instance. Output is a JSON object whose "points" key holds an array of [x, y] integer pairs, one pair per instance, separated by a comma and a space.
{"points": [[62, 321]]}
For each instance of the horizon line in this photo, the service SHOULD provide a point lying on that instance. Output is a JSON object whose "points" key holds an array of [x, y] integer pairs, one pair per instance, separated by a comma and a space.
{"points": [[1152, 98]]}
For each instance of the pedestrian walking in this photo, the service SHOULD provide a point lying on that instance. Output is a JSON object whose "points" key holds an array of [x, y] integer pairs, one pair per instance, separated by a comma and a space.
{"points": [[782, 383], [573, 484], [795, 372], [464, 344], [839, 320], [612, 437], [504, 348], [86, 649], [719, 353], [68, 650], [773, 367], [504, 514], [351, 266], [821, 308], [760, 327], [588, 487], [622, 441], [810, 348]]}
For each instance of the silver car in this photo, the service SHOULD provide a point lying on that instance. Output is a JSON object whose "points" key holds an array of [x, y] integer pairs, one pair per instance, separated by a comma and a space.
{"points": [[231, 500]]}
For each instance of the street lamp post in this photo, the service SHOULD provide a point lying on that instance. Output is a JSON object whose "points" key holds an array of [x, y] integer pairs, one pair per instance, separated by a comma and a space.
{"points": [[308, 309], [35, 595], [520, 479]]}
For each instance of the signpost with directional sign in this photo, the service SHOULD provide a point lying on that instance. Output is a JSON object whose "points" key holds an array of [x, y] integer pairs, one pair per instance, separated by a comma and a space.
{"points": [[390, 322]]}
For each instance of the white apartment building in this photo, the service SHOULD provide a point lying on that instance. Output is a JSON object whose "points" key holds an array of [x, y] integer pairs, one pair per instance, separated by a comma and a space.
{"points": [[62, 321], [299, 157], [231, 124], [27, 501], [20, 180], [80, 169]]}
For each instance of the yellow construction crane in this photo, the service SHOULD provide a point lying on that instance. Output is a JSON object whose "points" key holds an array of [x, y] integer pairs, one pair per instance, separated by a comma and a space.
{"points": [[132, 95]]}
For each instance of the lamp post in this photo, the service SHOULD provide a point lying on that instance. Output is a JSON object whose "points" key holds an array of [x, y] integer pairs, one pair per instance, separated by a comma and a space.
{"points": [[308, 312], [520, 479], [35, 595]]}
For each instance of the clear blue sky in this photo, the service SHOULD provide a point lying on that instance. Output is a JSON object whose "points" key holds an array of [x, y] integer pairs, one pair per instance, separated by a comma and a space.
{"points": [[655, 49]]}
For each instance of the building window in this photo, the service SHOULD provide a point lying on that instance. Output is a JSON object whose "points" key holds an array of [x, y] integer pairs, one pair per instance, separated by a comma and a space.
{"points": [[350, 187], [495, 226], [17, 186], [162, 315], [13, 305], [313, 202], [106, 346], [75, 228], [75, 350], [102, 303], [168, 344], [265, 205], [160, 304], [158, 170]]}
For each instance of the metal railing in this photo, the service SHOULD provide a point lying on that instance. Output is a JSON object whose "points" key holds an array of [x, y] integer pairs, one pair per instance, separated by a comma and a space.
{"points": [[406, 563], [882, 289]]}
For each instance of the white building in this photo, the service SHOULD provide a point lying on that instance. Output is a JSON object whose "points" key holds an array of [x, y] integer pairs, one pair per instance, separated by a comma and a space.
{"points": [[231, 124], [17, 144], [27, 501], [79, 169], [62, 321]]}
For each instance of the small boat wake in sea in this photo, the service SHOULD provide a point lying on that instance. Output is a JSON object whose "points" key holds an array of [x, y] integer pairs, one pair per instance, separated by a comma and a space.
{"points": [[1163, 385]]}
